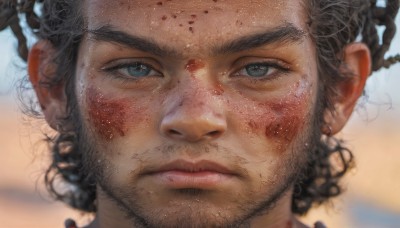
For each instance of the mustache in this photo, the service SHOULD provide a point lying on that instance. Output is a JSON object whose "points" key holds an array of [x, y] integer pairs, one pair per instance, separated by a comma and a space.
{"points": [[162, 154], [191, 151]]}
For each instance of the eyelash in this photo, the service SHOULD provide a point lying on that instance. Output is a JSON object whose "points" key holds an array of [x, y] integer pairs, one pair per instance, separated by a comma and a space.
{"points": [[118, 67], [271, 65]]}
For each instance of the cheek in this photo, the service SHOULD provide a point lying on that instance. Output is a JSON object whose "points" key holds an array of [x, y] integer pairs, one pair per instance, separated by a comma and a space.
{"points": [[110, 117], [286, 119], [277, 121], [280, 121]]}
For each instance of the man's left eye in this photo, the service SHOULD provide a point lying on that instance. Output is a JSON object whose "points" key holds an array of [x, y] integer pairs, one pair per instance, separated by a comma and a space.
{"points": [[257, 70], [260, 70]]}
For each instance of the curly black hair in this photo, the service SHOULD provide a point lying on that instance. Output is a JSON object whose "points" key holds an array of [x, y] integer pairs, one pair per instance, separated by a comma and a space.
{"points": [[332, 25]]}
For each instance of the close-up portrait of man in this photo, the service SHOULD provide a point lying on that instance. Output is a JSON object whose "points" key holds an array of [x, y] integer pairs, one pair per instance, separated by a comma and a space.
{"points": [[203, 113]]}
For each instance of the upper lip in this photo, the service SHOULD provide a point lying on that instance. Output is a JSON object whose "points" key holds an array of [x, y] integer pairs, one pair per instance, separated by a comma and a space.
{"points": [[192, 167]]}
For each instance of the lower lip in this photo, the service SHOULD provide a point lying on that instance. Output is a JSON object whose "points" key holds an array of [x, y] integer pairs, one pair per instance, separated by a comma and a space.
{"points": [[202, 180]]}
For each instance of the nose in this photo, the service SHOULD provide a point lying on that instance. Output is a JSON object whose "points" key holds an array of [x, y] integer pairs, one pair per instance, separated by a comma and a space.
{"points": [[194, 117]]}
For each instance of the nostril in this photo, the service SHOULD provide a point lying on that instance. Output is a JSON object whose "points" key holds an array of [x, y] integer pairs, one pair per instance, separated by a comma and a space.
{"points": [[214, 133], [174, 132]]}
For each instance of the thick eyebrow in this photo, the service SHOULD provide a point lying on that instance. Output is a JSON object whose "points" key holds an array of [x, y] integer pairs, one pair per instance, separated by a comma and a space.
{"points": [[109, 34], [285, 34]]}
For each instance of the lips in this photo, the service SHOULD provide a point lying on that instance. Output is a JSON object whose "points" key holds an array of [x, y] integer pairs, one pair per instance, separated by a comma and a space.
{"points": [[181, 174]]}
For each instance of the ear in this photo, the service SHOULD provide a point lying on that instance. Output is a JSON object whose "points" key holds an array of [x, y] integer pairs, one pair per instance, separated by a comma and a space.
{"points": [[42, 72], [357, 61]]}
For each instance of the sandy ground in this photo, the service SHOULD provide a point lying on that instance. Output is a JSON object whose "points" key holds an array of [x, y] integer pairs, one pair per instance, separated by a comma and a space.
{"points": [[375, 182]]}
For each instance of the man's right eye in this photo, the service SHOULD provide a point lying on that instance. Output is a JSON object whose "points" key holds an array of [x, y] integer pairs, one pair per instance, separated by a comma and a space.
{"points": [[133, 70]]}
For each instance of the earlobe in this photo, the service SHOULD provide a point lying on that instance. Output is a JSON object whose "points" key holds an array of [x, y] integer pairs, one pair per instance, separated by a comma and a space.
{"points": [[357, 63], [42, 74]]}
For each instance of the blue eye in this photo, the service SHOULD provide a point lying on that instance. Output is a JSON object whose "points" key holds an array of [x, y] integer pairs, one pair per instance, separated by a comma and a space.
{"points": [[262, 70], [134, 70], [137, 70], [257, 70]]}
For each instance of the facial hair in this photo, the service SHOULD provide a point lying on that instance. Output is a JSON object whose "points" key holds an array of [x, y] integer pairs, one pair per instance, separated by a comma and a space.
{"points": [[192, 215]]}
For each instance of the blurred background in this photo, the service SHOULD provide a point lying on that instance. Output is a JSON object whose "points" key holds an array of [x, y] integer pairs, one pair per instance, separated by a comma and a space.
{"points": [[372, 197]]}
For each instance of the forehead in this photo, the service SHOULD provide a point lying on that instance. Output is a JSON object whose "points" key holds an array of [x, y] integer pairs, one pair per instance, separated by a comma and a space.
{"points": [[193, 22]]}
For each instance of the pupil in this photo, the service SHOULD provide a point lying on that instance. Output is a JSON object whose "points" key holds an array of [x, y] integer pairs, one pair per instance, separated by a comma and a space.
{"points": [[138, 70], [257, 70]]}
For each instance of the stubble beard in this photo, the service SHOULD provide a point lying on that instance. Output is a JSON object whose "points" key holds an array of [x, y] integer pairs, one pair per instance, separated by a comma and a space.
{"points": [[292, 166], [196, 215]]}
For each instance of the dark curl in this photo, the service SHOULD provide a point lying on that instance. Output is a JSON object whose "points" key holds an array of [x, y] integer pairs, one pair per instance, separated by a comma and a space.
{"points": [[332, 25]]}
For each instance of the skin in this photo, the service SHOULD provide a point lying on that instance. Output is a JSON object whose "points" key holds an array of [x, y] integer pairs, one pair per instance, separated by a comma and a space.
{"points": [[196, 105], [251, 128]]}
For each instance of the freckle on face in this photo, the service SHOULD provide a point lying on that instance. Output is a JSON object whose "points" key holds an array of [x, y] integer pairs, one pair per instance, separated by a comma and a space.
{"points": [[107, 115]]}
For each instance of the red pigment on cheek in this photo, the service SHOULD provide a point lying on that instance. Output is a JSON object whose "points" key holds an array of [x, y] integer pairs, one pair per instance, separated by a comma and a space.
{"points": [[287, 119], [284, 127], [194, 65], [107, 115], [280, 121]]}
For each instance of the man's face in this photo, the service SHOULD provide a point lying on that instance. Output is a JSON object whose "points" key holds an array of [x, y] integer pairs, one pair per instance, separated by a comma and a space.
{"points": [[196, 111]]}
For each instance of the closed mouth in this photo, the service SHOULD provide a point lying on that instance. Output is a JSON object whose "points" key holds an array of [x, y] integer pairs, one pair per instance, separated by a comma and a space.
{"points": [[183, 174]]}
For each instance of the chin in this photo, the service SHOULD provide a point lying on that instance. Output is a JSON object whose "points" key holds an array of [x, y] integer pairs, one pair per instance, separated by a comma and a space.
{"points": [[194, 214]]}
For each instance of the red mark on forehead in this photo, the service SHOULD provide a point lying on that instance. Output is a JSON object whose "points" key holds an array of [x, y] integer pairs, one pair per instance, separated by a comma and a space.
{"points": [[194, 65], [107, 115]]}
